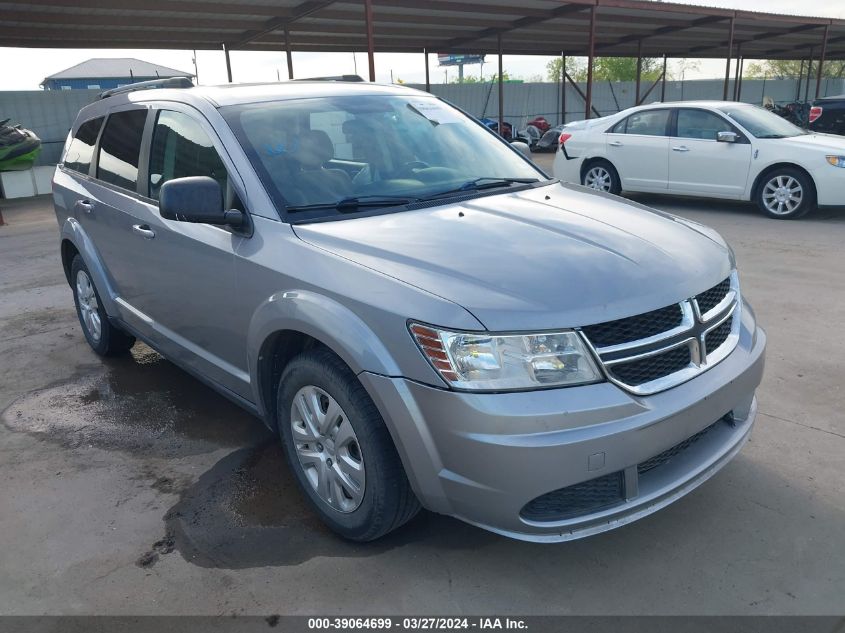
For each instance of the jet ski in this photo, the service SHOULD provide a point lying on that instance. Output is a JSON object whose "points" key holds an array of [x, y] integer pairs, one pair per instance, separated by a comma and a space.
{"points": [[19, 147]]}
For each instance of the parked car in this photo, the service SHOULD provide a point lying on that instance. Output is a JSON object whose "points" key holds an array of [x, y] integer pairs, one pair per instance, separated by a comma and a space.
{"points": [[827, 115], [550, 140], [711, 149], [424, 321]]}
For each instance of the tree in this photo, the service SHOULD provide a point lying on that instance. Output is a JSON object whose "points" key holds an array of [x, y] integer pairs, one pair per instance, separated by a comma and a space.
{"points": [[783, 68], [605, 68]]}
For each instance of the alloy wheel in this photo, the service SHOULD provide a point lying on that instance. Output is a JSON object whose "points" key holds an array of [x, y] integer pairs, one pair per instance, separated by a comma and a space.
{"points": [[783, 195], [88, 305], [328, 449], [598, 178]]}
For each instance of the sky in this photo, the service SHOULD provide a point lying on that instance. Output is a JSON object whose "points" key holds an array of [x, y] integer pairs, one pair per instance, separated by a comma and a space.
{"points": [[36, 64]]}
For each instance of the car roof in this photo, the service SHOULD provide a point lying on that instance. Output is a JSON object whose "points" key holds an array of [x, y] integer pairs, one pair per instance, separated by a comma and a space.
{"points": [[712, 103], [235, 94]]}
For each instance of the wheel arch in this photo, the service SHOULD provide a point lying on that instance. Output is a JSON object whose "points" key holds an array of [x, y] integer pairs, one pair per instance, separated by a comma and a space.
{"points": [[76, 241], [289, 323], [758, 181], [593, 160]]}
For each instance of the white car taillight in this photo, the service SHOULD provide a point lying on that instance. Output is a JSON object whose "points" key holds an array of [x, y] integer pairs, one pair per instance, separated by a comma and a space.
{"points": [[563, 138]]}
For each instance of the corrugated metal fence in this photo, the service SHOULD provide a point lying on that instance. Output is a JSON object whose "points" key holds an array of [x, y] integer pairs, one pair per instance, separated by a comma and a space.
{"points": [[48, 113], [51, 113]]}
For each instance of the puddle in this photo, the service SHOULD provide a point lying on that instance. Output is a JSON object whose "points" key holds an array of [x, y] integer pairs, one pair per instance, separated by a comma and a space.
{"points": [[247, 512], [139, 403]]}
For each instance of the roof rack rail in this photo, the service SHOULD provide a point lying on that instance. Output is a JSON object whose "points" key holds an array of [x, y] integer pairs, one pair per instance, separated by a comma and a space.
{"points": [[335, 78], [170, 82]]}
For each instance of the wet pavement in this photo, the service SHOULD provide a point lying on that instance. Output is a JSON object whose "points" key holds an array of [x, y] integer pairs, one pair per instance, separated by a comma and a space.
{"points": [[130, 487]]}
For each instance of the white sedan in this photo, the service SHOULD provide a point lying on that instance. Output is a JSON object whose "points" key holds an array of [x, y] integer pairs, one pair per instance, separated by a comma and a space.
{"points": [[713, 149]]}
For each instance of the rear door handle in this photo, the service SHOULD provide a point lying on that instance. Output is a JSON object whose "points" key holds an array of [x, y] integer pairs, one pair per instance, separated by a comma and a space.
{"points": [[144, 231], [680, 148], [615, 144], [84, 205]]}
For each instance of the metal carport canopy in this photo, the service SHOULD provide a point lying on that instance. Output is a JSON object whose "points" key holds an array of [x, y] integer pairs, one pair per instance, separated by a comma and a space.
{"points": [[543, 27]]}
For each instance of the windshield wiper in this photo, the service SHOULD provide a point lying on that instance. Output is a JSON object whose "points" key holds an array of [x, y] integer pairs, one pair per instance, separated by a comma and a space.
{"points": [[485, 182], [353, 204]]}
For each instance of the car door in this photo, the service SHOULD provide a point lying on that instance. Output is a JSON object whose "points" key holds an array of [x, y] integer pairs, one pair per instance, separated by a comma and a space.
{"points": [[701, 165], [638, 147], [181, 280], [106, 211]]}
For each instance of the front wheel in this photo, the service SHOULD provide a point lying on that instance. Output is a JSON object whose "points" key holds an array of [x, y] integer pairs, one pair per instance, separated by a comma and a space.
{"points": [[602, 176], [786, 194], [340, 450]]}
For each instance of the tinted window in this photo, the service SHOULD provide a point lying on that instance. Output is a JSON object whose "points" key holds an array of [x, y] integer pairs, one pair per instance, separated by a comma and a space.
{"points": [[81, 148], [701, 124], [181, 148], [647, 122], [120, 147]]}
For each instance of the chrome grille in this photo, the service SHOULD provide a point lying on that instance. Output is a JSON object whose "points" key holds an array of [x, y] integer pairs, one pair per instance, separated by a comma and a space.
{"points": [[711, 298], [634, 328], [650, 368], [657, 350]]}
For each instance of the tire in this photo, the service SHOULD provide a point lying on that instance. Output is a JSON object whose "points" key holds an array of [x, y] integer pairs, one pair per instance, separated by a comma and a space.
{"points": [[777, 192], [602, 176], [359, 504], [104, 338]]}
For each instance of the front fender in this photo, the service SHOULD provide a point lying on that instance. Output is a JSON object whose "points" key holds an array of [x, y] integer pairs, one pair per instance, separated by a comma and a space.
{"points": [[76, 234], [323, 319]]}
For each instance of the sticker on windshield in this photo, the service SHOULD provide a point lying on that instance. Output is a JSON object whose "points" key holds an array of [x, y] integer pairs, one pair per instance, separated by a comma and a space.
{"points": [[436, 112]]}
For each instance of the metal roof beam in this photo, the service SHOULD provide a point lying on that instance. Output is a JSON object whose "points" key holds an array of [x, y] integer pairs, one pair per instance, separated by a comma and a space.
{"points": [[756, 38], [297, 13], [517, 24], [665, 30]]}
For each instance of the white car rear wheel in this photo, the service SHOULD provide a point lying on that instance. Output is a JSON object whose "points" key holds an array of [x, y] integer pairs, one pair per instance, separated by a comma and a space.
{"points": [[601, 176]]}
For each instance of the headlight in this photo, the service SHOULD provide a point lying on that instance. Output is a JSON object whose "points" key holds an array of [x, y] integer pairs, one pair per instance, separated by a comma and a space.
{"points": [[836, 161], [494, 362]]}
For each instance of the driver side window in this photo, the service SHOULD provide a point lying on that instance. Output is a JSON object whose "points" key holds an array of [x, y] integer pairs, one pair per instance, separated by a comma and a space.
{"points": [[180, 148]]}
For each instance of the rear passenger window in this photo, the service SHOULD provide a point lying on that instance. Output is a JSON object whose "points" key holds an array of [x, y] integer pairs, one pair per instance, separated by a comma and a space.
{"points": [[120, 147], [81, 148], [647, 123], [181, 148]]}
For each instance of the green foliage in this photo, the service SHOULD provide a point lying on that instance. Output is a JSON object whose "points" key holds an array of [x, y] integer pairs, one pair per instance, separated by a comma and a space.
{"points": [[605, 68], [780, 69]]}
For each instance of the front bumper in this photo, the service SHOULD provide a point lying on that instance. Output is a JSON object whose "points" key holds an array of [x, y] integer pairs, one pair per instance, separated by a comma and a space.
{"points": [[483, 457]]}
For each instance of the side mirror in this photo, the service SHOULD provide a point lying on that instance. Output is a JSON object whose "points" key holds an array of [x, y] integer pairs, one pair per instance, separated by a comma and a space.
{"points": [[727, 137], [196, 199], [522, 148]]}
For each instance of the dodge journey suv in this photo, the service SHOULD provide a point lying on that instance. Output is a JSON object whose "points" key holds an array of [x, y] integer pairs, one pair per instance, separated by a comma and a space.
{"points": [[424, 316]]}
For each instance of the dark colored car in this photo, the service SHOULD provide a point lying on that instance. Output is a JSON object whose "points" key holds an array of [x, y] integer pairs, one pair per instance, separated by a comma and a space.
{"points": [[828, 115], [550, 140]]}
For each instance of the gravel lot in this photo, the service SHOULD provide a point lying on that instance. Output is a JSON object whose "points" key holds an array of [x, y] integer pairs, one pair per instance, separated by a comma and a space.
{"points": [[130, 488]]}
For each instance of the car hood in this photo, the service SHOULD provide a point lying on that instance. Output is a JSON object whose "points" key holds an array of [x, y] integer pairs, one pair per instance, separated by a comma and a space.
{"points": [[822, 142], [550, 257]]}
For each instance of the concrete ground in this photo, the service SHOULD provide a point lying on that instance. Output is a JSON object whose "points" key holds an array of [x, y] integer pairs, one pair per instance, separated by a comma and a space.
{"points": [[130, 488]]}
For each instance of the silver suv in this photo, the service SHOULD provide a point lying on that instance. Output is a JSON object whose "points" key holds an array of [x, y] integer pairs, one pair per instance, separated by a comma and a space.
{"points": [[421, 313]]}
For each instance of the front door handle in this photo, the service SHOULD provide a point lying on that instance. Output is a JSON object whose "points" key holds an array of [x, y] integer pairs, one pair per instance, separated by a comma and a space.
{"points": [[680, 148], [84, 205], [615, 144], [144, 231]]}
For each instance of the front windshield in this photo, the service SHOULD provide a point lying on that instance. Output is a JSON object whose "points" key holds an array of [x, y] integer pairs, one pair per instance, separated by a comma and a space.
{"points": [[370, 149], [762, 123]]}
